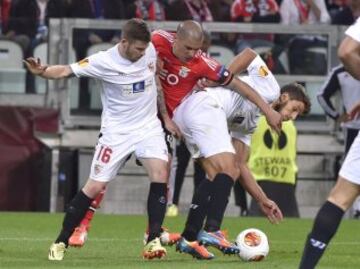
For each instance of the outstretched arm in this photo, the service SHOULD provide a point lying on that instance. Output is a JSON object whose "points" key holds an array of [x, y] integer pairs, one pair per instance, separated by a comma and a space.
{"points": [[47, 71], [273, 118], [239, 64], [268, 207]]}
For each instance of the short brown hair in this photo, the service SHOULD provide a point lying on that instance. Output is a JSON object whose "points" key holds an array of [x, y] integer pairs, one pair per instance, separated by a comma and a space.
{"points": [[136, 29], [297, 92]]}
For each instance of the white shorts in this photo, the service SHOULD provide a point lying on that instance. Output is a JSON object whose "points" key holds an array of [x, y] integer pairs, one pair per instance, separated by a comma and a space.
{"points": [[109, 157], [350, 170], [203, 123]]}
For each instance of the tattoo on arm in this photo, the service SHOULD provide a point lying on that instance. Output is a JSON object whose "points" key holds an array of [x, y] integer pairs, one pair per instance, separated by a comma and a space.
{"points": [[160, 98]]}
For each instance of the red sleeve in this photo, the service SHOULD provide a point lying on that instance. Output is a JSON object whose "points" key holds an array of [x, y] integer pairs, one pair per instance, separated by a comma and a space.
{"points": [[215, 71], [161, 39], [156, 39]]}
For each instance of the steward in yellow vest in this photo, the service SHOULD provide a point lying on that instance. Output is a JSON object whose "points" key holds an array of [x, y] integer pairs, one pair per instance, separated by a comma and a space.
{"points": [[273, 156], [272, 162]]}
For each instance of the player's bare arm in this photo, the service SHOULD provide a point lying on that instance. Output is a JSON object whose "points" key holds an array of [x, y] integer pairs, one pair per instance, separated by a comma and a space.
{"points": [[242, 61], [273, 118], [349, 54], [47, 71], [168, 122], [236, 66], [268, 207], [239, 64]]}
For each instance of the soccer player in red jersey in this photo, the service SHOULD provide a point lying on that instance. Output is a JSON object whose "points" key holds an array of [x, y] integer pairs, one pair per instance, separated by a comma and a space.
{"points": [[183, 64]]}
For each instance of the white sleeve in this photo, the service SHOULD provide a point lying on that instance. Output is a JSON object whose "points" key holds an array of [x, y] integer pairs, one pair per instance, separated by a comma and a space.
{"points": [[262, 80], [354, 31], [92, 66]]}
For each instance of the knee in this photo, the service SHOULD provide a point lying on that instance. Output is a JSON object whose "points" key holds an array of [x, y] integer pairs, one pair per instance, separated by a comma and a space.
{"points": [[343, 193], [92, 188], [341, 202], [159, 175]]}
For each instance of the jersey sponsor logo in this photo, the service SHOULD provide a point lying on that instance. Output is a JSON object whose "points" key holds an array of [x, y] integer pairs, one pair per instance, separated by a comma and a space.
{"points": [[170, 78], [83, 62], [139, 87], [184, 72], [263, 71]]}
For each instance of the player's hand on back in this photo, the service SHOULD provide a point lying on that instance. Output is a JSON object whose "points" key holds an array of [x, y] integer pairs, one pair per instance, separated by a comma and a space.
{"points": [[271, 211], [204, 83], [274, 119], [34, 65]]}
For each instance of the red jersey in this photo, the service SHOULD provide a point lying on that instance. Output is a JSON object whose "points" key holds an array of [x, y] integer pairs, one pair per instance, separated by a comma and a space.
{"points": [[178, 78]]}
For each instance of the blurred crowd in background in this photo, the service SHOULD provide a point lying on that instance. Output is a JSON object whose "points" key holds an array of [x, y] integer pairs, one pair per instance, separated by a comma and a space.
{"points": [[26, 21]]}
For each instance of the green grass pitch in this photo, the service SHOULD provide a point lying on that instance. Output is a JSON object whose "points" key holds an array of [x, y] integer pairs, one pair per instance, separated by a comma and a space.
{"points": [[116, 242]]}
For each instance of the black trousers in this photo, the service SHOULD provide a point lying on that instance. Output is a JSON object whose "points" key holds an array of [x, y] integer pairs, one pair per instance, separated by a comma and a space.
{"points": [[283, 194]]}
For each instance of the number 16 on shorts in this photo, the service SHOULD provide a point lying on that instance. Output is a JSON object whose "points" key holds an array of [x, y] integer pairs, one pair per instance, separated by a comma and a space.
{"points": [[103, 153], [102, 167]]}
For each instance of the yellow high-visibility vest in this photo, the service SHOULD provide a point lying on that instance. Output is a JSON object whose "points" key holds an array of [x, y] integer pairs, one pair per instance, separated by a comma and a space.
{"points": [[273, 156]]}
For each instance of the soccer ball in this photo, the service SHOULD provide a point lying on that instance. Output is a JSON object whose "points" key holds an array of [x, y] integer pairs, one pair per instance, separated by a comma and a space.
{"points": [[253, 245]]}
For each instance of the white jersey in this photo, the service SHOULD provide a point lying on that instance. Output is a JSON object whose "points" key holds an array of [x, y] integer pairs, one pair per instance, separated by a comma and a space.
{"points": [[354, 31], [128, 92], [242, 115]]}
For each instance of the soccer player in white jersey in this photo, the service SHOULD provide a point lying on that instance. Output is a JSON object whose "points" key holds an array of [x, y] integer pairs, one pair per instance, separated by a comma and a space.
{"points": [[129, 124], [347, 187], [217, 124]]}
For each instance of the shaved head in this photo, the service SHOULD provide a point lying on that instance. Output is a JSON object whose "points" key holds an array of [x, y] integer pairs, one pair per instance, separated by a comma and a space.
{"points": [[188, 40], [190, 30]]}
